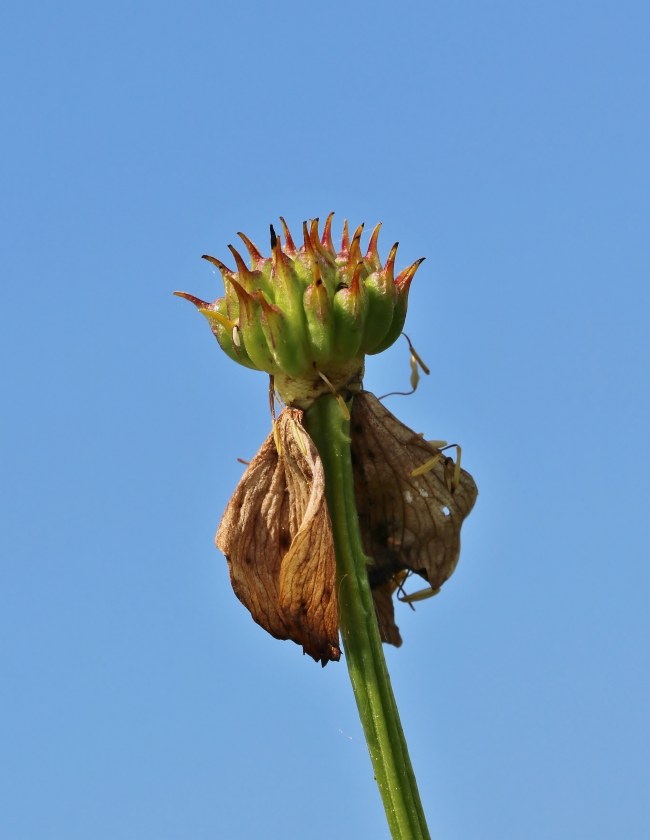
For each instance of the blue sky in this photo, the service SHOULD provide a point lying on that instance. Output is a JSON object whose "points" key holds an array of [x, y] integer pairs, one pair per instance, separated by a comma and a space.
{"points": [[506, 142]]}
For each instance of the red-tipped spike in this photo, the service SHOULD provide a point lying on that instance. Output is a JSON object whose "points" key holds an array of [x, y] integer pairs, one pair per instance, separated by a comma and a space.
{"points": [[356, 277], [345, 237], [320, 249], [309, 248], [355, 245], [372, 254], [358, 232], [289, 246], [404, 280], [221, 266], [256, 257], [200, 304], [327, 234], [242, 268], [313, 233], [390, 262], [279, 259]]}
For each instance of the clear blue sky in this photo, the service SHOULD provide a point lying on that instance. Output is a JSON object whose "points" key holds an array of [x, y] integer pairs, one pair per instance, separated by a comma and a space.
{"points": [[508, 143]]}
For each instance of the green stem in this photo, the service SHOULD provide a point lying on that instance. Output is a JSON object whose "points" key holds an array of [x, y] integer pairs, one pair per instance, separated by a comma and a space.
{"points": [[330, 431]]}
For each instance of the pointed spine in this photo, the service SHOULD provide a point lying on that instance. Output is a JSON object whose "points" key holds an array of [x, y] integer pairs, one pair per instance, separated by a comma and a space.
{"points": [[257, 260], [244, 275], [345, 240], [200, 304], [289, 245], [223, 268], [327, 235], [372, 254], [325, 256], [232, 303]]}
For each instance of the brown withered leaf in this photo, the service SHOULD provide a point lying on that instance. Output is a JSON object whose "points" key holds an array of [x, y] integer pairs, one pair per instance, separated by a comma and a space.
{"points": [[385, 612], [407, 523], [277, 538]]}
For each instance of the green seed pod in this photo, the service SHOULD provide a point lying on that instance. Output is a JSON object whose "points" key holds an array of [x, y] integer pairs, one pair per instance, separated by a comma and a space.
{"points": [[318, 313], [285, 342], [286, 283], [250, 324], [380, 286], [380, 315], [350, 311], [402, 285]]}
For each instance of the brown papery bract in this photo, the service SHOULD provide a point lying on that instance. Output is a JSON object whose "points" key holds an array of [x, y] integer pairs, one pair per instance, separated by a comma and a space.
{"points": [[407, 523], [277, 536]]}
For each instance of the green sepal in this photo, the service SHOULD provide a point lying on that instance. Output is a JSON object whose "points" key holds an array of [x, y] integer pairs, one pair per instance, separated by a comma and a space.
{"points": [[287, 286], [250, 312], [226, 340], [350, 311], [318, 314], [285, 340], [396, 326], [381, 303]]}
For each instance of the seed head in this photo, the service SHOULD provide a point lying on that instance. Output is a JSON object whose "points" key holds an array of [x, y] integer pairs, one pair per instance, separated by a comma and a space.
{"points": [[309, 315]]}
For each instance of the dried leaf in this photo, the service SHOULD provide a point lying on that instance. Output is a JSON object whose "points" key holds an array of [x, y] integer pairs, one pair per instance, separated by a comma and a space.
{"points": [[277, 538], [385, 611], [407, 523]]}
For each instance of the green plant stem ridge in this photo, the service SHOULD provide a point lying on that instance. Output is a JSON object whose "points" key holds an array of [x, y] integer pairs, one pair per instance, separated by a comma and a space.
{"points": [[330, 431]]}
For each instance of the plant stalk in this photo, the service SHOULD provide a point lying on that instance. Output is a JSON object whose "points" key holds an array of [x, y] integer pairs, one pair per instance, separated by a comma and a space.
{"points": [[330, 431]]}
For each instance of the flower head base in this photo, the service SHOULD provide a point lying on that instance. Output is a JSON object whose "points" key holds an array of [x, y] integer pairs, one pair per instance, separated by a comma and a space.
{"points": [[309, 315]]}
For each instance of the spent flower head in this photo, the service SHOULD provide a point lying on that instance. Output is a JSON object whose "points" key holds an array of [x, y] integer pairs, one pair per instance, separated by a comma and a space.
{"points": [[309, 315]]}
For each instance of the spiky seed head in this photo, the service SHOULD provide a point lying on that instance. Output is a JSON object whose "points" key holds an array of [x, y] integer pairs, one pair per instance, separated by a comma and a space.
{"points": [[309, 315]]}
